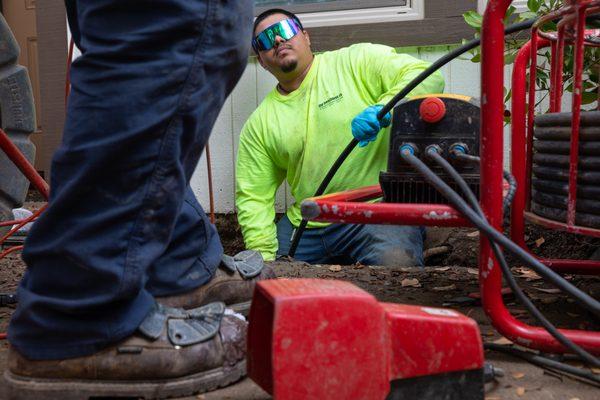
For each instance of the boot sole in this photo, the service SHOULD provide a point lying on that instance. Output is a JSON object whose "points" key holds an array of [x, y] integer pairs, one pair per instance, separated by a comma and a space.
{"points": [[19, 387]]}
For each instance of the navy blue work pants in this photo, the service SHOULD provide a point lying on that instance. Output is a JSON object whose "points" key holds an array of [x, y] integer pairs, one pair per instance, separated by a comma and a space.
{"points": [[369, 244], [123, 225]]}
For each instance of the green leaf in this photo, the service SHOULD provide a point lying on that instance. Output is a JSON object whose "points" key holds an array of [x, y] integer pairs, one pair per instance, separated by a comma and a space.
{"points": [[528, 15], [509, 58], [473, 19], [589, 97], [511, 10], [476, 58], [569, 87], [534, 5]]}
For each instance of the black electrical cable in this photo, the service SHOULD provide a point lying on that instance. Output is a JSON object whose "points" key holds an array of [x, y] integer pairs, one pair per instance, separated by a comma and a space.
{"points": [[512, 283], [584, 299], [544, 362], [320, 190], [402, 94], [512, 182]]}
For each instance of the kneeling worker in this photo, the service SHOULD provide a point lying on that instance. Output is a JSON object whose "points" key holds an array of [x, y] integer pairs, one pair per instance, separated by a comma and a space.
{"points": [[299, 129]]}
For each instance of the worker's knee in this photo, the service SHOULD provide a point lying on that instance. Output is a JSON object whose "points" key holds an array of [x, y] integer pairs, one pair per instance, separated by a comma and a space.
{"points": [[394, 246]]}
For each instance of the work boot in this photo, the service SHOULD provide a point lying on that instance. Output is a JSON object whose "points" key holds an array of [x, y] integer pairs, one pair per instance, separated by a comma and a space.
{"points": [[233, 284], [174, 353]]}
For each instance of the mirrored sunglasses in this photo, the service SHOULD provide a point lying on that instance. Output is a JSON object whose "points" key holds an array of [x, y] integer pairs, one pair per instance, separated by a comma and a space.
{"points": [[286, 29]]}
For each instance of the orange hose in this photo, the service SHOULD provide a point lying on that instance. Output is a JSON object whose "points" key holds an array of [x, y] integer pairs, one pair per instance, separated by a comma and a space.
{"points": [[68, 75], [210, 185]]}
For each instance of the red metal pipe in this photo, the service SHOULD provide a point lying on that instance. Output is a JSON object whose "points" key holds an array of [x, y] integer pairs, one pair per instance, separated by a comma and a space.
{"points": [[519, 155], [492, 67], [15, 155], [211, 195], [520, 141], [350, 207], [560, 59], [576, 113], [10, 250], [583, 267], [553, 77], [23, 222], [68, 73], [531, 113], [549, 223]]}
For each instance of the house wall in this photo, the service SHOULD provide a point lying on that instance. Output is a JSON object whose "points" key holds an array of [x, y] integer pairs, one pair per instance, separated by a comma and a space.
{"points": [[462, 77]]}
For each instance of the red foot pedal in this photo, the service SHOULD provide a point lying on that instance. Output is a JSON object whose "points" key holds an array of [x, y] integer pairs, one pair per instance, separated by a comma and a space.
{"points": [[317, 339], [323, 339]]}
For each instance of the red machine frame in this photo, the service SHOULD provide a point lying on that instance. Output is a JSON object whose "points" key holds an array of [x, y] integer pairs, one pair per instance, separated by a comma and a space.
{"points": [[351, 206], [15, 155]]}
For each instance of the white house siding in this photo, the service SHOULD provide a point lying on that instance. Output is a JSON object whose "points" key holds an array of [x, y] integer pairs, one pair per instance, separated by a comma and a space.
{"points": [[462, 77]]}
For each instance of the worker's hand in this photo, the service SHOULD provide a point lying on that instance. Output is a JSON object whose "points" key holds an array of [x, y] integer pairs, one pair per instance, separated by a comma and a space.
{"points": [[366, 126]]}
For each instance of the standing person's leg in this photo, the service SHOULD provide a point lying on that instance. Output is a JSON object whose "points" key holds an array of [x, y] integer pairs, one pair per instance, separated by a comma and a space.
{"points": [[145, 94], [179, 277], [385, 245], [192, 256]]}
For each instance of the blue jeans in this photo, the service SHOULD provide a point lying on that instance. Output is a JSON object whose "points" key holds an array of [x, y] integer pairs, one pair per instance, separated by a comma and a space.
{"points": [[386, 245], [123, 225]]}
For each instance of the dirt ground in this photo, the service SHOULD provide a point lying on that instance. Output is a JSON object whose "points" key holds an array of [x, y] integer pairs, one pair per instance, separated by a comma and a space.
{"points": [[449, 279]]}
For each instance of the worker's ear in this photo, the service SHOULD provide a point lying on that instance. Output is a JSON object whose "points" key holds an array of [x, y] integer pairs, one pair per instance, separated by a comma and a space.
{"points": [[307, 37], [260, 61]]}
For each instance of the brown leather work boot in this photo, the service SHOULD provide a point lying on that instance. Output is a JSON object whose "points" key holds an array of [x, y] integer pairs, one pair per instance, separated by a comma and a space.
{"points": [[233, 284], [174, 353]]}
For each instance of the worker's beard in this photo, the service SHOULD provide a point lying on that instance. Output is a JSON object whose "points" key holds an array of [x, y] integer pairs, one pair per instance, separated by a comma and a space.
{"points": [[289, 66]]}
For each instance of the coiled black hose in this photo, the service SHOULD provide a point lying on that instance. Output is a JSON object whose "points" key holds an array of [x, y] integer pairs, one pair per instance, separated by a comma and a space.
{"points": [[512, 182]]}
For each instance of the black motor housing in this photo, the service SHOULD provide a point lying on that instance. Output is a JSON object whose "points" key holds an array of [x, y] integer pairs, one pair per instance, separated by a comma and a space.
{"points": [[460, 124]]}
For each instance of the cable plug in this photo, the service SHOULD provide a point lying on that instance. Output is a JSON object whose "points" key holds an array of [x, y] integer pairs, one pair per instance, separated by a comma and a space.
{"points": [[456, 149], [432, 149], [409, 148], [490, 373]]}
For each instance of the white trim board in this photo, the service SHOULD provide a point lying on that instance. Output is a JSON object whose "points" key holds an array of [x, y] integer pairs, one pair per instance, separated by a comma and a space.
{"points": [[413, 10], [520, 5]]}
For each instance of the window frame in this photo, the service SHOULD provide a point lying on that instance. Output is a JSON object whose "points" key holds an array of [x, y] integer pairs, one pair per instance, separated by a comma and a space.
{"points": [[520, 5], [331, 5], [354, 12]]}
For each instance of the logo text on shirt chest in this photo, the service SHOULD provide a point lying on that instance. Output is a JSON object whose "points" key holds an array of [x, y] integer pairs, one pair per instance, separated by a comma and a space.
{"points": [[331, 101]]}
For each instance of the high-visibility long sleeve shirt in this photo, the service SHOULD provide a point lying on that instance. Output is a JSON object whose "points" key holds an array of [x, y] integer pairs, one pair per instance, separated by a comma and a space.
{"points": [[298, 136]]}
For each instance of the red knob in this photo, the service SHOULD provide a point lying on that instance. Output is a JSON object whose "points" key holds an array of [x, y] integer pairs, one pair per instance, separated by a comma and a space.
{"points": [[432, 110]]}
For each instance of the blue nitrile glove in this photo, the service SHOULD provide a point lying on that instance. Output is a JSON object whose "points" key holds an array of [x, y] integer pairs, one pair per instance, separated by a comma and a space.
{"points": [[366, 126]]}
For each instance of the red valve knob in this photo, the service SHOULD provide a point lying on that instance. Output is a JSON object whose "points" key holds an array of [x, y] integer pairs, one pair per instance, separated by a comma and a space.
{"points": [[432, 110]]}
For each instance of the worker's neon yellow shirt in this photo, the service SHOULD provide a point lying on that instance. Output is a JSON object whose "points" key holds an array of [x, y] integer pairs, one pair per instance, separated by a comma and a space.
{"points": [[298, 136]]}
